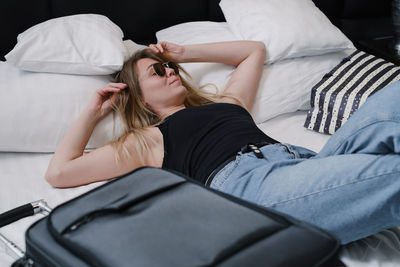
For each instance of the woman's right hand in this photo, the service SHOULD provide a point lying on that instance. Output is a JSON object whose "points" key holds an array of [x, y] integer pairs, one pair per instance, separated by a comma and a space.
{"points": [[171, 51], [103, 99]]}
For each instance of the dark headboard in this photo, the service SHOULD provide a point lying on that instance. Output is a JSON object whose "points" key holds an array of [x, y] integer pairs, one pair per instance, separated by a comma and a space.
{"points": [[359, 19], [140, 20]]}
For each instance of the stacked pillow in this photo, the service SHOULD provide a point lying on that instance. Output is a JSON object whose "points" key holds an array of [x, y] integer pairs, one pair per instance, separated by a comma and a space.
{"points": [[86, 44], [50, 76], [37, 109], [302, 45], [285, 85]]}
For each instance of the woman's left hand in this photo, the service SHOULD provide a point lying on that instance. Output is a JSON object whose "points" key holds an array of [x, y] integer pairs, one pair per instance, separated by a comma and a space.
{"points": [[172, 51]]}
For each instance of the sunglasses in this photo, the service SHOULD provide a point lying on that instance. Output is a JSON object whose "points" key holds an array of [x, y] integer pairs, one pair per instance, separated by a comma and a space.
{"points": [[159, 68]]}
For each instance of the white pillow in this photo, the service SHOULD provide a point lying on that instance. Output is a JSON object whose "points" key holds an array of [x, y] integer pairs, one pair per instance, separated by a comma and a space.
{"points": [[37, 109], [86, 44], [285, 86], [196, 32], [289, 28]]}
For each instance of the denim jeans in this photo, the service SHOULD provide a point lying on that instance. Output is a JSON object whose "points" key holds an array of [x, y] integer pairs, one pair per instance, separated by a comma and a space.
{"points": [[351, 188]]}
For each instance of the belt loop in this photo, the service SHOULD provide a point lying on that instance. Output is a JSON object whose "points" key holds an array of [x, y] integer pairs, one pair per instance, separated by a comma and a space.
{"points": [[256, 151], [254, 148]]}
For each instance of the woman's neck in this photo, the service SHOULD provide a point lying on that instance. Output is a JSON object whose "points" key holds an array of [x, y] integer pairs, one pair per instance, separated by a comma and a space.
{"points": [[170, 110]]}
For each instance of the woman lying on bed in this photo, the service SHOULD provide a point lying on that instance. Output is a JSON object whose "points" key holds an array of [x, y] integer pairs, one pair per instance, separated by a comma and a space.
{"points": [[351, 188]]}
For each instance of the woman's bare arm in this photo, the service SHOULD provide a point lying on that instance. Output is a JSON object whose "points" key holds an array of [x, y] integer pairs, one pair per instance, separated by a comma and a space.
{"points": [[69, 166], [247, 56]]}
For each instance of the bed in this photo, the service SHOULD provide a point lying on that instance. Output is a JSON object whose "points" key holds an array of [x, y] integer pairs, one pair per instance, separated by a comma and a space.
{"points": [[36, 114]]}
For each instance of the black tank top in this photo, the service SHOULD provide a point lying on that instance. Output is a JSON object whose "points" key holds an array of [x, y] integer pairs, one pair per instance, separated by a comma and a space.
{"points": [[198, 139]]}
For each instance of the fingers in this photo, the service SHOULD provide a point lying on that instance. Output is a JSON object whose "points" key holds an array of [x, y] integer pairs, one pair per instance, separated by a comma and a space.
{"points": [[154, 48], [158, 48], [171, 51], [113, 98], [118, 85], [112, 88]]}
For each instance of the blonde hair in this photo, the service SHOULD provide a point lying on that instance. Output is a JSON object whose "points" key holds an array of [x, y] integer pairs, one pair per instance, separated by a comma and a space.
{"points": [[135, 115]]}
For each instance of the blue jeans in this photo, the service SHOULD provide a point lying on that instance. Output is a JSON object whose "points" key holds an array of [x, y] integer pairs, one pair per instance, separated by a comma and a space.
{"points": [[351, 188]]}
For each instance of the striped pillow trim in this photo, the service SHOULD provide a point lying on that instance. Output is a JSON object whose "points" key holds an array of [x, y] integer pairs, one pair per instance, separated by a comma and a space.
{"points": [[345, 88]]}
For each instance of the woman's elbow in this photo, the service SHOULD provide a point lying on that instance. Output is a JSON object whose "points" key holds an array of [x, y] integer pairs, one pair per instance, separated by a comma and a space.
{"points": [[53, 177], [261, 47], [258, 50]]}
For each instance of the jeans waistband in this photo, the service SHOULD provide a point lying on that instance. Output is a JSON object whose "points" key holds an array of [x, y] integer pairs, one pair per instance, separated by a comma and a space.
{"points": [[251, 147]]}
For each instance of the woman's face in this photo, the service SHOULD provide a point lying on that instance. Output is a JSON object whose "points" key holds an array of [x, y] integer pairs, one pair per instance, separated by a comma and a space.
{"points": [[159, 92]]}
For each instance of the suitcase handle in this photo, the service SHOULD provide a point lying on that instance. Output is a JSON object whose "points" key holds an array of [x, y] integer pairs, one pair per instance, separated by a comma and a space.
{"points": [[23, 211], [16, 214]]}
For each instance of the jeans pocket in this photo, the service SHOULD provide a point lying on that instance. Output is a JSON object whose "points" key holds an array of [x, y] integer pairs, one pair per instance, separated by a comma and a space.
{"points": [[221, 177], [299, 152]]}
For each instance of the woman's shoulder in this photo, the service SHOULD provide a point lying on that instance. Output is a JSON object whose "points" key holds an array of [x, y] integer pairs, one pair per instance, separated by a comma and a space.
{"points": [[150, 132], [148, 145]]}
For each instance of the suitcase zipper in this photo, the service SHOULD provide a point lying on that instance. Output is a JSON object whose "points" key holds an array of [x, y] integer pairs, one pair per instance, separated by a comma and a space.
{"points": [[75, 226], [96, 213], [78, 224], [86, 219]]}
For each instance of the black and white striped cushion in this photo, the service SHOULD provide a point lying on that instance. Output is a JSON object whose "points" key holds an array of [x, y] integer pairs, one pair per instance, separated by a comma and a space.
{"points": [[345, 88]]}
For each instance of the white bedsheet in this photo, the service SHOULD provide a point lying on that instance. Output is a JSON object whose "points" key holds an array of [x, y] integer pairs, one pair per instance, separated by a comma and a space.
{"points": [[21, 181], [288, 128]]}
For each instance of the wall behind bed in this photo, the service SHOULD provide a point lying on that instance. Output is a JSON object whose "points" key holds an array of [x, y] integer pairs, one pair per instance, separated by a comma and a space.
{"points": [[139, 20]]}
